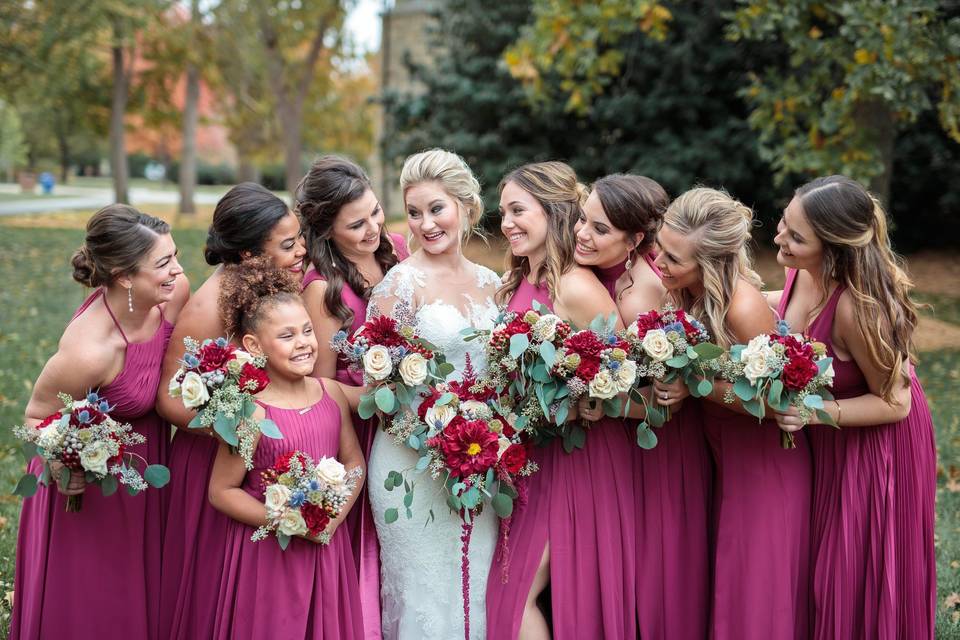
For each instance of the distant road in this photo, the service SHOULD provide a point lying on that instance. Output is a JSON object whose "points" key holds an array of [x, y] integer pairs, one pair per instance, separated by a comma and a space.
{"points": [[71, 197]]}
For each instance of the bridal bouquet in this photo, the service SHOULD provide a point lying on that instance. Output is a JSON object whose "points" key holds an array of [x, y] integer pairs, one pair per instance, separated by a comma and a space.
{"points": [[520, 351], [395, 363], [303, 496], [83, 437], [668, 344], [219, 381], [781, 371]]}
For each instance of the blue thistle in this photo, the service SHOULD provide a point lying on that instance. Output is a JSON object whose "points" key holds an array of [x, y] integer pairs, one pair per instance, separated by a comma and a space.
{"points": [[93, 398], [783, 327], [83, 416], [297, 498], [221, 342]]}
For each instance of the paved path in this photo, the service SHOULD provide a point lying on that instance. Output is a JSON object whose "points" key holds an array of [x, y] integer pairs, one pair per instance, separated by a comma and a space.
{"points": [[69, 197]]}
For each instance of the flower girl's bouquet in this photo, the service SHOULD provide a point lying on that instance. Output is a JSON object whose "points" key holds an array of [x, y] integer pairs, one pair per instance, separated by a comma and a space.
{"points": [[781, 371], [219, 381], [669, 344], [303, 496], [83, 437], [395, 362]]}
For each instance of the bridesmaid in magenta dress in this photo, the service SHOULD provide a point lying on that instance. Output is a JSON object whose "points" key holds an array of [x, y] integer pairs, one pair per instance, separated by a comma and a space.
{"points": [[95, 573], [309, 590], [672, 481], [873, 561], [349, 250], [248, 221], [575, 532], [761, 491]]}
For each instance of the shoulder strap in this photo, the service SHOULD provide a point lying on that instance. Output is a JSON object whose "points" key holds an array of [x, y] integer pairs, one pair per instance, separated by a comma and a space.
{"points": [[787, 289], [116, 322]]}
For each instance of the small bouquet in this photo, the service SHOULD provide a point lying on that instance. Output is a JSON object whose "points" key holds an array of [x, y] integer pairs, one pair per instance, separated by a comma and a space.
{"points": [[520, 352], [395, 363], [303, 496], [466, 441], [83, 437], [219, 381], [669, 344], [783, 370]]}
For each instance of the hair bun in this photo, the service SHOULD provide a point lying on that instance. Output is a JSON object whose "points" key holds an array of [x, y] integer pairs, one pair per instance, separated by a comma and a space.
{"points": [[83, 270]]}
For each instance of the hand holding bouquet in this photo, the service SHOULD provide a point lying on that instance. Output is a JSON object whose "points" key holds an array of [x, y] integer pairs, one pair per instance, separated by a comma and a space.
{"points": [[395, 363], [781, 371], [219, 381], [84, 438], [303, 496], [668, 345]]}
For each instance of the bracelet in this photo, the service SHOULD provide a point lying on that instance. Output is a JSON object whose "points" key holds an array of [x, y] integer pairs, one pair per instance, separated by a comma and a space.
{"points": [[839, 411]]}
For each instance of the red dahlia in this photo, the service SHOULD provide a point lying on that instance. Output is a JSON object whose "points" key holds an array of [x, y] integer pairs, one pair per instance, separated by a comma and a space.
{"points": [[252, 379], [382, 330], [468, 447], [798, 372], [316, 518], [213, 357], [514, 458], [585, 343]]}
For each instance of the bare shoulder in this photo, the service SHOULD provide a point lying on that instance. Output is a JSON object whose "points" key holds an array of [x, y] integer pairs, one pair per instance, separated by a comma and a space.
{"points": [[577, 282], [89, 345], [645, 294], [749, 314], [200, 317], [332, 388], [315, 290]]}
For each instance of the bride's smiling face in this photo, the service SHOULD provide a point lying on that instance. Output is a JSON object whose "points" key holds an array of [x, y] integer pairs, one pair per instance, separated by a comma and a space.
{"points": [[433, 217]]}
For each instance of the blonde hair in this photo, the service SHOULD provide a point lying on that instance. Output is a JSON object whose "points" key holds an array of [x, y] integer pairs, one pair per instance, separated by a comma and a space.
{"points": [[719, 227], [857, 254], [554, 186], [451, 172]]}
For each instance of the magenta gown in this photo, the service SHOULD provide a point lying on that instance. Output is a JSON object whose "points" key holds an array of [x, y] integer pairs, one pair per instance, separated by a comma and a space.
{"points": [[873, 562], [673, 484], [359, 522], [308, 591], [761, 564], [581, 503], [94, 574]]}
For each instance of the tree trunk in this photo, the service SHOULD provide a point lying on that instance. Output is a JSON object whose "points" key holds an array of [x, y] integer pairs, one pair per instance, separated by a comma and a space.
{"points": [[247, 171], [118, 108], [63, 146], [188, 156], [877, 121], [292, 145]]}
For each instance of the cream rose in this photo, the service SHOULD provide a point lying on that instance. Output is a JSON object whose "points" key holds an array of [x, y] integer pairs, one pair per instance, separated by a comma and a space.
{"points": [[657, 346], [474, 410], [545, 329], [173, 388], [437, 418], [603, 385], [626, 375], [276, 497], [413, 369], [291, 523], [502, 445], [331, 471], [94, 458], [756, 357], [633, 330], [193, 391], [376, 362], [50, 437], [243, 357]]}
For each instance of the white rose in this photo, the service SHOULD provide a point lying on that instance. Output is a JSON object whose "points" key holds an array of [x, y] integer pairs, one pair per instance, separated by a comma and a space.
{"points": [[755, 358], [502, 445], [657, 346], [376, 362], [243, 357], [193, 390], [93, 458], [475, 410], [50, 437], [291, 523], [626, 375], [829, 373], [603, 385], [276, 497], [545, 330], [173, 388], [633, 330], [437, 418], [413, 369], [330, 470]]}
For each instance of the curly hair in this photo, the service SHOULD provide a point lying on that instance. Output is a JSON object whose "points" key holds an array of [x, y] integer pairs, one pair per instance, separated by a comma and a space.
{"points": [[249, 290]]}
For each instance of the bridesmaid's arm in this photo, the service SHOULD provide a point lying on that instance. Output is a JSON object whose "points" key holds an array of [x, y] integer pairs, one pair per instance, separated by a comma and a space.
{"points": [[325, 326], [349, 454], [582, 298], [225, 492]]}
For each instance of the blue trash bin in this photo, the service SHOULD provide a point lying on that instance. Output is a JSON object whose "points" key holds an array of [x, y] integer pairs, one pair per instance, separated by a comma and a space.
{"points": [[46, 182]]}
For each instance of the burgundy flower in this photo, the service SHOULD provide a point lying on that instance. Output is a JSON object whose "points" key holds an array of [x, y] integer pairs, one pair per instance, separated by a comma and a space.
{"points": [[514, 458], [213, 357], [383, 330], [648, 321], [798, 372], [253, 379], [585, 343], [282, 465], [429, 399], [589, 367], [315, 517], [468, 447], [517, 325]]}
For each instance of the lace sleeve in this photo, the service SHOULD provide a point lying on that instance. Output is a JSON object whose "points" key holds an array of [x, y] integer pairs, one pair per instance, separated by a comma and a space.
{"points": [[396, 294]]}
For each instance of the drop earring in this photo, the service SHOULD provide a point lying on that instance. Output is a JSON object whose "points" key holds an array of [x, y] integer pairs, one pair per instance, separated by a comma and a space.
{"points": [[130, 299], [333, 262], [629, 264]]}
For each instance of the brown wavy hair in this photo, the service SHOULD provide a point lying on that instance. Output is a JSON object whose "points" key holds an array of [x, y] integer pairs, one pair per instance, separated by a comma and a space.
{"points": [[332, 183], [118, 238], [555, 187], [852, 225], [249, 289]]}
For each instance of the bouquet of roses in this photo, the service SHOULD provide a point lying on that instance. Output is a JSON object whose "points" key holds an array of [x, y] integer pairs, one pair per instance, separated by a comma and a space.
{"points": [[469, 443], [303, 496], [520, 351], [781, 371], [394, 360], [669, 344], [219, 381], [83, 437]]}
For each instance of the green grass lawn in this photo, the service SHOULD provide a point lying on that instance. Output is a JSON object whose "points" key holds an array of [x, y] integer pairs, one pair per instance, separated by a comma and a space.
{"points": [[38, 297]]}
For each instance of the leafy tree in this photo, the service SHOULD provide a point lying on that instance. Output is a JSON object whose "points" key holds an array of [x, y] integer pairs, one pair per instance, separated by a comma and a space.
{"points": [[12, 145]]}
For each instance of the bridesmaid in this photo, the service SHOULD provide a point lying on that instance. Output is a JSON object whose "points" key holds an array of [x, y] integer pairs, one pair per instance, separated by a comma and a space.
{"points": [[308, 590], [615, 235], [576, 530], [248, 221], [115, 343], [762, 494], [873, 564], [349, 250]]}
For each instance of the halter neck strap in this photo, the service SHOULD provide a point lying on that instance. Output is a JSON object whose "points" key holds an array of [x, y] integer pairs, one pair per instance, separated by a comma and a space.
{"points": [[113, 317]]}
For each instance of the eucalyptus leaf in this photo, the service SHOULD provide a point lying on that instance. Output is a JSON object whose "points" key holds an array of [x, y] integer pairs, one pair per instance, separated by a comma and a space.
{"points": [[413, 442], [283, 540], [26, 486], [502, 504], [678, 361], [470, 498], [518, 344], [445, 399], [196, 422], [270, 429], [28, 450], [226, 428], [744, 390], [704, 388], [612, 407], [755, 408], [156, 475], [646, 438], [655, 416], [385, 399], [827, 419], [109, 485], [454, 503], [776, 390], [408, 500], [391, 515], [549, 353], [708, 351], [63, 479], [813, 401], [367, 407], [423, 462]]}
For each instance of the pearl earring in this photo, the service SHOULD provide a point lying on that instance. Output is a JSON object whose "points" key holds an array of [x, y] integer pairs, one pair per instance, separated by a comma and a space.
{"points": [[130, 299]]}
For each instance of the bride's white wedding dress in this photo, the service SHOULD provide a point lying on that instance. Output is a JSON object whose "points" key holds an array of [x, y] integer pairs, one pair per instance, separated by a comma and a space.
{"points": [[421, 591]]}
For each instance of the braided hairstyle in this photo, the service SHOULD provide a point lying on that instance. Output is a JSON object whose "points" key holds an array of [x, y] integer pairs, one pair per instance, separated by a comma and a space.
{"points": [[249, 290]]}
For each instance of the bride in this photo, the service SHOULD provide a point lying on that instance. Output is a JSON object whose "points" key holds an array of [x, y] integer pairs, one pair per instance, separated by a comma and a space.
{"points": [[441, 292]]}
